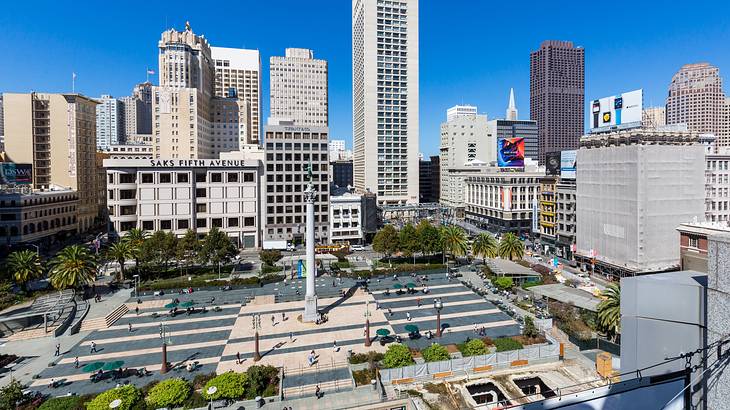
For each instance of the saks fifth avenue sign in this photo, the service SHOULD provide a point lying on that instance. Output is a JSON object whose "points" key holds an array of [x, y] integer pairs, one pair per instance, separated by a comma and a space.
{"points": [[186, 163]]}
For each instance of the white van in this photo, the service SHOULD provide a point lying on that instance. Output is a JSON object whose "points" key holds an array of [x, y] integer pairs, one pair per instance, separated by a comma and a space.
{"points": [[357, 248]]}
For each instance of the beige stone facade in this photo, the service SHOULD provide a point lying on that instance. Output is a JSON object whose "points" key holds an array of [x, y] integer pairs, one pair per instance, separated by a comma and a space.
{"points": [[57, 134], [298, 84]]}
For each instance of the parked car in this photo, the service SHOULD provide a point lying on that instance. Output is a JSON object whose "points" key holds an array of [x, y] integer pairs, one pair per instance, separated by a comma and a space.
{"points": [[357, 247]]}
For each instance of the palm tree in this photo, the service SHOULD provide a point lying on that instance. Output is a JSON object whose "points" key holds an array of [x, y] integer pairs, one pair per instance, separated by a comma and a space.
{"points": [[25, 266], [74, 266], [486, 246], [136, 238], [454, 240], [609, 310], [511, 247], [120, 252]]}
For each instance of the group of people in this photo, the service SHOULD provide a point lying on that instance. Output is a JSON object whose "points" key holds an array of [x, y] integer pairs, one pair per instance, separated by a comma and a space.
{"points": [[481, 331]]}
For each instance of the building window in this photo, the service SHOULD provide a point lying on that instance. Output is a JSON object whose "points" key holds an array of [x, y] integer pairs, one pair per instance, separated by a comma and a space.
{"points": [[200, 178], [165, 178], [216, 222], [183, 224], [200, 223], [216, 177], [694, 242], [201, 208], [232, 222], [248, 221], [148, 178], [166, 224], [232, 177], [200, 193], [182, 177], [148, 225], [248, 177]]}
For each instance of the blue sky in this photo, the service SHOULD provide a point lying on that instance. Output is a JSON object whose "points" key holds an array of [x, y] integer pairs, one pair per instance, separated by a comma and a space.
{"points": [[470, 51]]}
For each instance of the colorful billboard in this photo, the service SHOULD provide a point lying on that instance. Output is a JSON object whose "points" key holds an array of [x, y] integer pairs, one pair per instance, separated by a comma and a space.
{"points": [[568, 164], [617, 112], [552, 163], [16, 174], [511, 152]]}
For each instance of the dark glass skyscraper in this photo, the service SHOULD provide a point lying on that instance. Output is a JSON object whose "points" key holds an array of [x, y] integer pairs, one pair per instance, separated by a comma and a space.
{"points": [[557, 95]]}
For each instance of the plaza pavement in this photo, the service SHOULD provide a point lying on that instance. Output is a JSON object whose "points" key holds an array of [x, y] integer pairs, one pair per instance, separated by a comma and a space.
{"points": [[213, 339]]}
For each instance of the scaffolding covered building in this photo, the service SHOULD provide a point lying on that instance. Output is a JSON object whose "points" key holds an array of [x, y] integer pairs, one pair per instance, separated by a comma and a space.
{"points": [[633, 188]]}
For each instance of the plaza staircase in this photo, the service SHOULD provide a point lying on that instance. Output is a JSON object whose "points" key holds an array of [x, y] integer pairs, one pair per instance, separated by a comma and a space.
{"points": [[34, 333], [105, 321], [330, 377]]}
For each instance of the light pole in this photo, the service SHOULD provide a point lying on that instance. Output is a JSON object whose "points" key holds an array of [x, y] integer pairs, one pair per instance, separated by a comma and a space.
{"points": [[37, 249], [256, 325], [211, 391], [136, 285], [367, 324], [438, 305], [164, 335]]}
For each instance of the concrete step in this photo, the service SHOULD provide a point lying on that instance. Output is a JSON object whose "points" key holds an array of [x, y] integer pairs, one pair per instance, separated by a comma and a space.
{"points": [[32, 334], [106, 321], [328, 386]]}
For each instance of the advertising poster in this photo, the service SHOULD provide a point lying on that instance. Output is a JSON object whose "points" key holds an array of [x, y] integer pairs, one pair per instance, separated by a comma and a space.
{"points": [[568, 164], [552, 163], [511, 152], [16, 174], [617, 111]]}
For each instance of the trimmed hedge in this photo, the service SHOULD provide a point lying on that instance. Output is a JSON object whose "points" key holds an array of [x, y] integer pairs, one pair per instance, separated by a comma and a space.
{"points": [[359, 358], [504, 344], [397, 355], [435, 353], [473, 347], [177, 283], [63, 403], [169, 393], [128, 394], [230, 385]]}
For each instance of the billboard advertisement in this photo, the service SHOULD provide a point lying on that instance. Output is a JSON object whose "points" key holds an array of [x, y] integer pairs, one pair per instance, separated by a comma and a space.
{"points": [[617, 111], [511, 152], [16, 174], [552, 163], [568, 164]]}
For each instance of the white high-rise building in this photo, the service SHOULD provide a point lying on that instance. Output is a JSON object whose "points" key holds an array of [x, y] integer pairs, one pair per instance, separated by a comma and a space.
{"points": [[238, 74], [109, 121], [460, 110], [385, 99], [298, 91]]}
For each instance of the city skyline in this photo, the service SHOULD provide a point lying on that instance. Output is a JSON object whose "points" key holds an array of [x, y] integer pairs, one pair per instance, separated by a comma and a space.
{"points": [[611, 66]]}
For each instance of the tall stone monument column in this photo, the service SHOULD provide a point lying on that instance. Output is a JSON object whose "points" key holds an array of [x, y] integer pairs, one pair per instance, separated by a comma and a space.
{"points": [[310, 298]]}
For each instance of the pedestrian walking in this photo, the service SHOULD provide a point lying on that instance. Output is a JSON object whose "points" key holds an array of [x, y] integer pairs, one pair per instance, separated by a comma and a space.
{"points": [[238, 357], [291, 336], [418, 301], [76, 362], [335, 348], [408, 316], [93, 347], [475, 327], [273, 320], [390, 312], [58, 349], [136, 310], [130, 327], [333, 283], [283, 316], [318, 392]]}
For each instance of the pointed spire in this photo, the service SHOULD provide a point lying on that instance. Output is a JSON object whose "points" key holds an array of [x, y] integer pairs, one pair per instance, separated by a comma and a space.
{"points": [[511, 109]]}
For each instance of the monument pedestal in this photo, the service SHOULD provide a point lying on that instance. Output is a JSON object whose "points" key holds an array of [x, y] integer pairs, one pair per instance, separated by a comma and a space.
{"points": [[310, 309]]}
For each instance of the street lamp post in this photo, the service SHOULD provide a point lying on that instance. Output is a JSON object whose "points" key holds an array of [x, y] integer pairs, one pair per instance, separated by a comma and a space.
{"points": [[164, 336], [438, 305], [136, 285], [211, 391], [256, 325], [367, 324]]}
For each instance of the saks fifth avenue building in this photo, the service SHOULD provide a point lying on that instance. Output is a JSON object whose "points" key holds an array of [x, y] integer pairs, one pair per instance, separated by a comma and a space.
{"points": [[180, 194]]}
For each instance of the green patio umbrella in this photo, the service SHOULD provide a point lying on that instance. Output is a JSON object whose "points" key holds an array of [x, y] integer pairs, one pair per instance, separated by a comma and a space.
{"points": [[382, 332], [410, 285], [92, 367], [117, 364], [411, 328], [187, 304], [397, 286], [171, 305]]}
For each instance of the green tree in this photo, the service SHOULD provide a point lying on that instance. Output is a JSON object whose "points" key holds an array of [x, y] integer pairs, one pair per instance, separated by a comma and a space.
{"points": [[454, 241], [187, 247], [230, 385], [503, 283], [397, 355], [429, 236], [435, 353], [217, 248], [73, 266], [128, 394], [485, 245], [120, 252], [530, 328], [511, 247], [24, 266], [11, 395], [168, 393], [270, 256], [260, 380], [136, 238], [386, 241], [473, 347], [159, 249], [609, 310], [408, 241]]}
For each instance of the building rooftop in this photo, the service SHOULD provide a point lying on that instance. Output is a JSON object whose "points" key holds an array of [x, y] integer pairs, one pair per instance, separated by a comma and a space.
{"points": [[705, 227], [638, 136]]}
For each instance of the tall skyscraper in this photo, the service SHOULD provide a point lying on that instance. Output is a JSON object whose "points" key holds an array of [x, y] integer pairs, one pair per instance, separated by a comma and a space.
{"points": [[110, 125], [385, 98], [181, 104], [298, 88], [557, 95], [696, 98], [511, 113], [238, 74], [57, 134]]}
